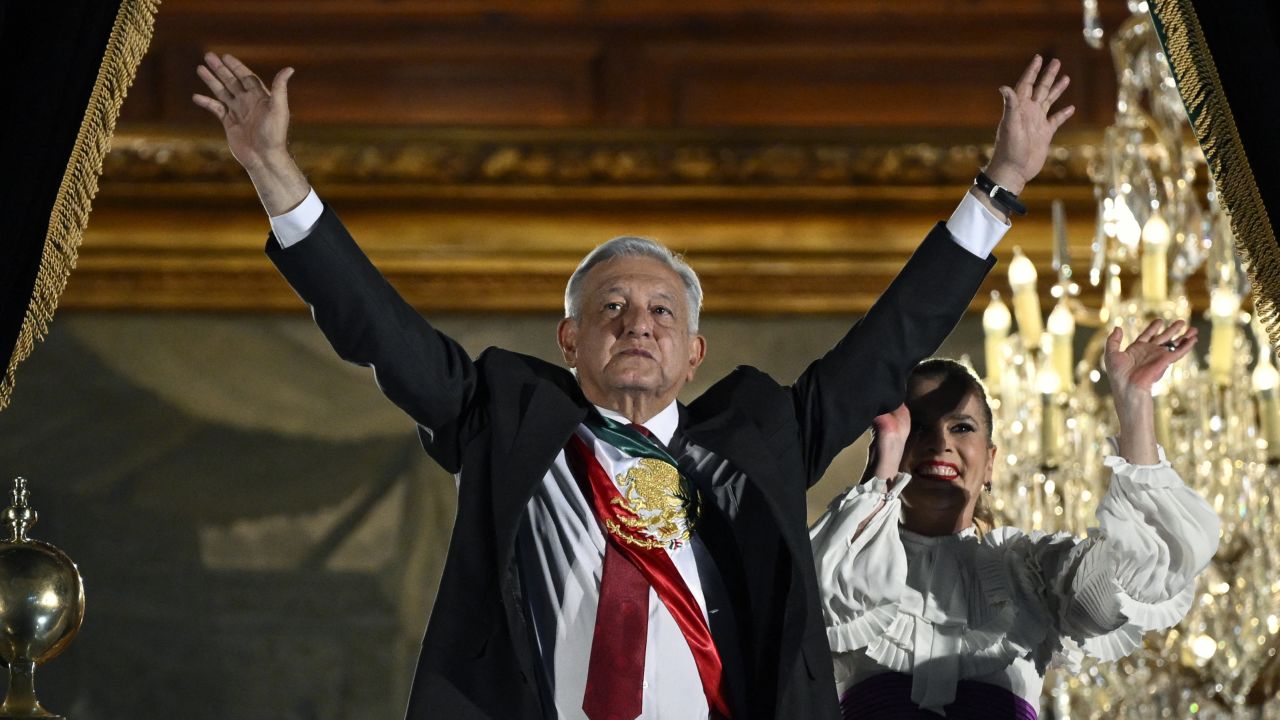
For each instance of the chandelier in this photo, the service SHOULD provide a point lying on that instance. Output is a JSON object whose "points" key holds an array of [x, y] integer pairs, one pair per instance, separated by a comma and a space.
{"points": [[1159, 227]]}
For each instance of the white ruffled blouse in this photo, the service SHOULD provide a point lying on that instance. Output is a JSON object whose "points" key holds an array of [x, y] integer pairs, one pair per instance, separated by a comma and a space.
{"points": [[1000, 608]]}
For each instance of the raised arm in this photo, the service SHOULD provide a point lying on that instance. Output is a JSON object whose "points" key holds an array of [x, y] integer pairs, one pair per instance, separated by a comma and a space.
{"points": [[423, 371], [865, 374], [256, 120], [1138, 572], [1026, 128], [1132, 372]]}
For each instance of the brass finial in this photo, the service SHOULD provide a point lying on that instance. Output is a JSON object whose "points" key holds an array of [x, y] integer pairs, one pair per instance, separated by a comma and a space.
{"points": [[20, 517], [41, 607]]}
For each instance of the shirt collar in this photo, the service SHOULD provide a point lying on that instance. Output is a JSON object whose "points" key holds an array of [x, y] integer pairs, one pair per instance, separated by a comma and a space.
{"points": [[663, 425]]}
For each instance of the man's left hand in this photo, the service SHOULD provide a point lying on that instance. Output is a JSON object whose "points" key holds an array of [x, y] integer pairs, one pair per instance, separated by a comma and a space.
{"points": [[1027, 127]]}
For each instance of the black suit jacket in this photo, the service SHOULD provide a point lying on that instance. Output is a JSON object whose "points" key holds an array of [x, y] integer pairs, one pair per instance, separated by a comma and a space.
{"points": [[499, 420]]}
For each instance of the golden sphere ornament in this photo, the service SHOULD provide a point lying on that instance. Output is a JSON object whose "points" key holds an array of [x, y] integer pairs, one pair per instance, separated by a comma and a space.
{"points": [[41, 606]]}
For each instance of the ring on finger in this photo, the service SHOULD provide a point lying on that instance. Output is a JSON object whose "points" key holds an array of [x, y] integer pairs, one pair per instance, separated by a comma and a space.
{"points": [[1169, 345]]}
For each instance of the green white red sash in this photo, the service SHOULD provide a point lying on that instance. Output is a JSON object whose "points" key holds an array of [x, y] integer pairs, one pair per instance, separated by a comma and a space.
{"points": [[641, 526]]}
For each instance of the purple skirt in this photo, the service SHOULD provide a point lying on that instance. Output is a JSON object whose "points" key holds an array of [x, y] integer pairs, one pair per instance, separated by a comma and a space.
{"points": [[888, 697]]}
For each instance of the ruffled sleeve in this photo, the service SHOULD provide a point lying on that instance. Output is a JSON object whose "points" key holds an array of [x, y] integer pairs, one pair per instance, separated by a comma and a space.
{"points": [[1136, 572], [861, 564]]}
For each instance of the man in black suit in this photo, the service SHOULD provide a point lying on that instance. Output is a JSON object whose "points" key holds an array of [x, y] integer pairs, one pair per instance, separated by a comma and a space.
{"points": [[617, 554]]}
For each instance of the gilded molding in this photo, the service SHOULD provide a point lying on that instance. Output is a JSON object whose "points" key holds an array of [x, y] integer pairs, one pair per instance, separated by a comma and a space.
{"points": [[567, 159], [842, 216]]}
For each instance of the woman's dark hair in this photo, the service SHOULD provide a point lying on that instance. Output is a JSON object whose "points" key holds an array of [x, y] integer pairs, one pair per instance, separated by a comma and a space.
{"points": [[952, 374]]}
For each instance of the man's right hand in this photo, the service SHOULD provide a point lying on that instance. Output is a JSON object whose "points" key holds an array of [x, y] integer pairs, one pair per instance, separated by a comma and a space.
{"points": [[256, 121]]}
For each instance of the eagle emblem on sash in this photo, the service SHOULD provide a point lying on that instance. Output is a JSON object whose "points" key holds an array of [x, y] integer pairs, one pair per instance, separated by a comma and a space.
{"points": [[653, 502]]}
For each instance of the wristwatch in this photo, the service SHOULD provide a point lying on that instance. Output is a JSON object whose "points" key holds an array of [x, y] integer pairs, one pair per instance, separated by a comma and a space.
{"points": [[1001, 198]]}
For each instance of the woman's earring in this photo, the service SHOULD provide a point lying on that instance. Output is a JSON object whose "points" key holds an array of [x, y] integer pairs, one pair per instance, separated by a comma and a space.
{"points": [[986, 488]]}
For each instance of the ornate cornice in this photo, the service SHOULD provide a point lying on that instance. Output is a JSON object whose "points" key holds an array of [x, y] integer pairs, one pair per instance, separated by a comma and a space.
{"points": [[587, 160], [495, 221]]}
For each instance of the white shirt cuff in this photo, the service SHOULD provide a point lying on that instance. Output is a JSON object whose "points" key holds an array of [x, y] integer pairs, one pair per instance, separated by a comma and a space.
{"points": [[974, 227], [296, 224]]}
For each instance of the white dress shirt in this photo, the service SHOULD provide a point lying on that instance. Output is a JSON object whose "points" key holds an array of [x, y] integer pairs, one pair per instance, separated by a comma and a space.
{"points": [[561, 546]]}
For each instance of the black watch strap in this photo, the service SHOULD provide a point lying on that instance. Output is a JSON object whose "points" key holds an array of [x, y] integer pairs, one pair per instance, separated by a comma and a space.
{"points": [[1001, 198]]}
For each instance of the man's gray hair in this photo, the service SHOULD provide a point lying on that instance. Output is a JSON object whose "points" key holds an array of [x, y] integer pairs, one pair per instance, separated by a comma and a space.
{"points": [[632, 246]]}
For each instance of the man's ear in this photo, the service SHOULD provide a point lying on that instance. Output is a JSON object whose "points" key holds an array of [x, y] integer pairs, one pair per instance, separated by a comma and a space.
{"points": [[567, 338], [697, 353]]}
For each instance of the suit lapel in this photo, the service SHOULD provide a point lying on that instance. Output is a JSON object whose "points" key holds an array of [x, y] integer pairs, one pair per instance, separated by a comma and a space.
{"points": [[548, 415]]}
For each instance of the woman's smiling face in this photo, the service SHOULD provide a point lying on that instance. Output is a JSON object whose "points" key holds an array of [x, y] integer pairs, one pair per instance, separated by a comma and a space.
{"points": [[949, 452]]}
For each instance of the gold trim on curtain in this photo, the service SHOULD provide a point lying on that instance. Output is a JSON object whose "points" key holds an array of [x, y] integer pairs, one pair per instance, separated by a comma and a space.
{"points": [[1215, 129], [130, 37]]}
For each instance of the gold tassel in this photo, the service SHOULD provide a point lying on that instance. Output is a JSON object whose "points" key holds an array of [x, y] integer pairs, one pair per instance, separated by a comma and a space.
{"points": [[1215, 129], [130, 37]]}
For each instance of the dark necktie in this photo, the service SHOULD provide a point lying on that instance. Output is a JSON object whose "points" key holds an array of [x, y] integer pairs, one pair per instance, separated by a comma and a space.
{"points": [[615, 675]]}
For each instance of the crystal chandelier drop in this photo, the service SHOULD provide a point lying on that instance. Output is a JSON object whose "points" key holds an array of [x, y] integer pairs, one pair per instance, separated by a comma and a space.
{"points": [[1159, 228]]}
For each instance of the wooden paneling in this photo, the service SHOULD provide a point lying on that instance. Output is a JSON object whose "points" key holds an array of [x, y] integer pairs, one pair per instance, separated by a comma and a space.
{"points": [[903, 11], [829, 85], [539, 84], [547, 63], [797, 149]]}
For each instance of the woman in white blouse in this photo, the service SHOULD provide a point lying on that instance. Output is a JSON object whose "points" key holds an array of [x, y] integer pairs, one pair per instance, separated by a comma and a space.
{"points": [[926, 616]]}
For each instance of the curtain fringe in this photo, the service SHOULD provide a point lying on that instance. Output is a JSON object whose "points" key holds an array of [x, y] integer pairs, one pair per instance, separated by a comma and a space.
{"points": [[130, 37], [1215, 128]]}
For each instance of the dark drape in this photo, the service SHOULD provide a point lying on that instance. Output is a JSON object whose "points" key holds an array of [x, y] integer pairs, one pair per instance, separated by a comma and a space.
{"points": [[1225, 56], [68, 64]]}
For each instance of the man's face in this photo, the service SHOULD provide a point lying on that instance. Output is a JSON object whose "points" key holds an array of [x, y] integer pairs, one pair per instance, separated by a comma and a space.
{"points": [[632, 334]]}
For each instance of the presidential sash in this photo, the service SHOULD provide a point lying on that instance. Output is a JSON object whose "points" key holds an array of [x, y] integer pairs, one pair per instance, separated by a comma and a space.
{"points": [[655, 510]]}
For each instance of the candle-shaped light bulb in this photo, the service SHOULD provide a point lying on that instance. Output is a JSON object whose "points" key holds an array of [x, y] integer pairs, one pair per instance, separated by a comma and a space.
{"points": [[1021, 270], [1156, 231], [995, 329], [1265, 381], [1224, 307], [1048, 384], [1128, 231], [1048, 381], [1062, 330], [1026, 301], [1155, 265], [996, 317], [1265, 375], [1224, 303]]}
